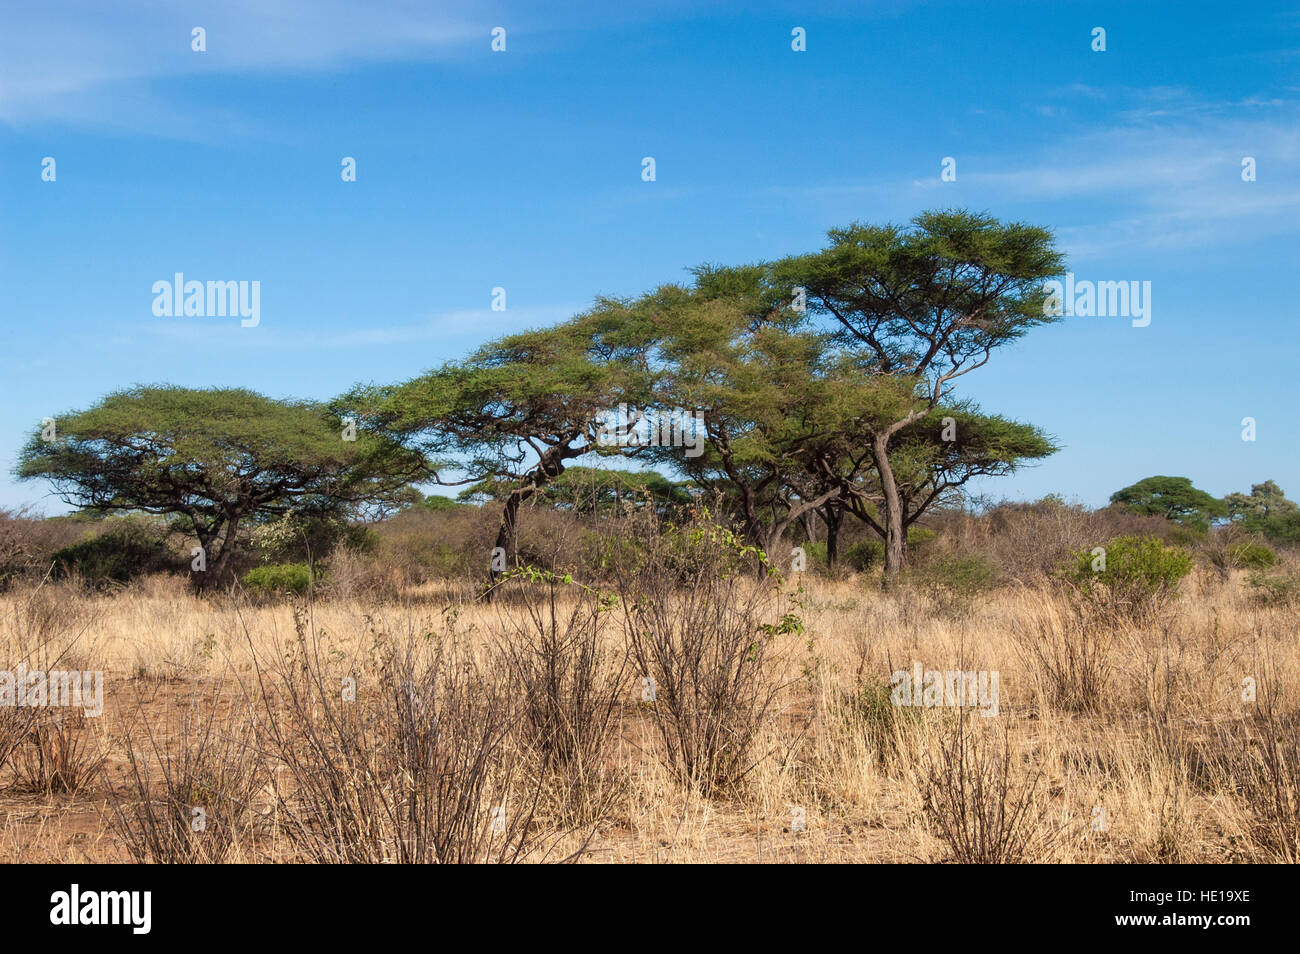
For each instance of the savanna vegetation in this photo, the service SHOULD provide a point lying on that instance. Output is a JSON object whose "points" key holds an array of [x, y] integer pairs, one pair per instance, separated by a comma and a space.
{"points": [[642, 586]]}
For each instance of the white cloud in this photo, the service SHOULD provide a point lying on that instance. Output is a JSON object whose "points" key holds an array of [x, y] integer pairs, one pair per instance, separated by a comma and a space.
{"points": [[86, 60], [1172, 164]]}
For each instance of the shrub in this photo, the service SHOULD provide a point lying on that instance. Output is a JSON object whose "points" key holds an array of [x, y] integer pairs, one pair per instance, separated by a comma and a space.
{"points": [[28, 542], [865, 554], [1253, 555], [1282, 528], [126, 551], [1131, 570], [918, 537], [207, 771], [703, 635], [1258, 758], [282, 578], [571, 684], [957, 577], [984, 802], [421, 768], [873, 710], [419, 544], [61, 754], [1183, 536], [1031, 541], [1071, 652], [296, 538]]}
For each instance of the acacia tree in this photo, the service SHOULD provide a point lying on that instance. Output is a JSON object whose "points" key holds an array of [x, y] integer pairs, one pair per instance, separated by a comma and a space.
{"points": [[923, 305], [935, 456], [1173, 498], [1266, 501], [515, 411], [766, 388], [215, 460]]}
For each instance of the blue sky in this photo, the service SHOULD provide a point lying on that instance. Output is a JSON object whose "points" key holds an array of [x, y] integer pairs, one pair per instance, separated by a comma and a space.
{"points": [[522, 170]]}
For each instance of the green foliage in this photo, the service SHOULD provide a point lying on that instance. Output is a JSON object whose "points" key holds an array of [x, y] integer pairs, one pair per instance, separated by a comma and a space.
{"points": [[1134, 567], [955, 443], [1173, 498], [815, 551], [602, 491], [918, 537], [1187, 536], [1264, 501], [282, 578], [201, 456], [869, 554], [437, 502], [126, 551], [1252, 555], [864, 555], [294, 537], [1282, 528], [958, 577], [1266, 510]]}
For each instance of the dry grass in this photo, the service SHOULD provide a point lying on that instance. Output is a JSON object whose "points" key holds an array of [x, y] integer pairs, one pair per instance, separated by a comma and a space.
{"points": [[1116, 740]]}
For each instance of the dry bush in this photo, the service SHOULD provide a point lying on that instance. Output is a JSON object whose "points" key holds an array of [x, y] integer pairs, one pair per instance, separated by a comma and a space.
{"points": [[418, 545], [419, 768], [60, 754], [28, 543], [48, 748], [700, 626], [191, 798], [572, 685], [982, 803], [1030, 541], [360, 576], [1260, 760], [870, 712], [1068, 644]]}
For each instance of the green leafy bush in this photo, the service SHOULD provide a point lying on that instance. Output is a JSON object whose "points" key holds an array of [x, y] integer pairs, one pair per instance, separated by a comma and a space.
{"points": [[1252, 555], [125, 551], [1184, 536], [1133, 570], [1282, 528], [294, 538], [955, 575], [865, 554], [281, 578]]}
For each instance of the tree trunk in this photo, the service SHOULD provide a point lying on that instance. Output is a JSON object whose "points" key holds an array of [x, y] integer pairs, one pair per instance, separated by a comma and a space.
{"points": [[893, 510], [199, 580], [549, 466], [832, 516], [218, 570], [507, 535], [805, 522]]}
